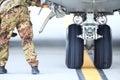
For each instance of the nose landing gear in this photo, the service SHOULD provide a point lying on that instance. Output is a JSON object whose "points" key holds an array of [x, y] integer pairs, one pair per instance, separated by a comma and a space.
{"points": [[99, 33]]}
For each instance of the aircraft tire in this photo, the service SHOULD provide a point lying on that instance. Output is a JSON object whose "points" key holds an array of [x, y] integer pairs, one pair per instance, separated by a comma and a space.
{"points": [[75, 47], [103, 48]]}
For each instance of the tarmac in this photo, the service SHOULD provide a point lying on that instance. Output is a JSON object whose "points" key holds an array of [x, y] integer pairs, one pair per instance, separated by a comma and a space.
{"points": [[51, 56]]}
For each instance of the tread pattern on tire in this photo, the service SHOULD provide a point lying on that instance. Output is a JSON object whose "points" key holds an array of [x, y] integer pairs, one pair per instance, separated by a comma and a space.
{"points": [[75, 47], [103, 48]]}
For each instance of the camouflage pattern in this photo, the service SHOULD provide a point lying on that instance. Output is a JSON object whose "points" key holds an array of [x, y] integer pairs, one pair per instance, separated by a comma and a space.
{"points": [[8, 4], [18, 16]]}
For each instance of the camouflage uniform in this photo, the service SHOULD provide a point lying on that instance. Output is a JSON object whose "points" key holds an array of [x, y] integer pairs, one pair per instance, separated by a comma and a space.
{"points": [[15, 13]]}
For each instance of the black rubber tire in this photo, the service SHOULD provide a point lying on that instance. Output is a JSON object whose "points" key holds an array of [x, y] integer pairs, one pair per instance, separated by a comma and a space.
{"points": [[75, 47], [103, 48]]}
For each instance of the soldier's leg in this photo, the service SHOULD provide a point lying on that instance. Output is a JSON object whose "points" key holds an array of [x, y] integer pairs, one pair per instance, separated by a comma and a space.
{"points": [[4, 44], [6, 28], [26, 35], [3, 53]]}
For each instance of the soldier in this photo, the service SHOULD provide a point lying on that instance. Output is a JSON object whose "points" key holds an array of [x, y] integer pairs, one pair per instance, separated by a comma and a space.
{"points": [[15, 13]]}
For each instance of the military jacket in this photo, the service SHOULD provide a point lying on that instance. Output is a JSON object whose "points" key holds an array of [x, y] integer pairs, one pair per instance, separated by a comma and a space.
{"points": [[8, 4]]}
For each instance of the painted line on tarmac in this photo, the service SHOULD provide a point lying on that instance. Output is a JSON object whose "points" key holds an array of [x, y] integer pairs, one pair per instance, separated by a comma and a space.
{"points": [[102, 74], [80, 74], [88, 71]]}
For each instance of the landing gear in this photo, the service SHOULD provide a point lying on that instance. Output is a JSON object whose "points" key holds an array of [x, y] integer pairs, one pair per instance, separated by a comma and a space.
{"points": [[75, 47], [103, 48], [97, 32]]}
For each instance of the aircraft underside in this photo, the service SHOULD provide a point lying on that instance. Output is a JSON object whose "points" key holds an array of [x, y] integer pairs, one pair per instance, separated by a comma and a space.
{"points": [[89, 5]]}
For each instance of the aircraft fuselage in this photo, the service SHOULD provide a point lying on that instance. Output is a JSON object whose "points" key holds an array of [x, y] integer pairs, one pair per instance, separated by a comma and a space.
{"points": [[89, 5]]}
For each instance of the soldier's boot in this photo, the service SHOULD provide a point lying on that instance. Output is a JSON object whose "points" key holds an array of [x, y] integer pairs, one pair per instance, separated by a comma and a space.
{"points": [[35, 70], [14, 34], [3, 70]]}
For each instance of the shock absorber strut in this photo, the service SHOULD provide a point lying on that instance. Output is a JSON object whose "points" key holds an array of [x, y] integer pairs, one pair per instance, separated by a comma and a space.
{"points": [[89, 28]]}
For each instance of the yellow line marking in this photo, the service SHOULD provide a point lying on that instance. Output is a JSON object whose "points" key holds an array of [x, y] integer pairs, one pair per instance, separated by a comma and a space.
{"points": [[89, 71]]}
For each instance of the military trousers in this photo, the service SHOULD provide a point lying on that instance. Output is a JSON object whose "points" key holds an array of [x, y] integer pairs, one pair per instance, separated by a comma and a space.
{"points": [[18, 17]]}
